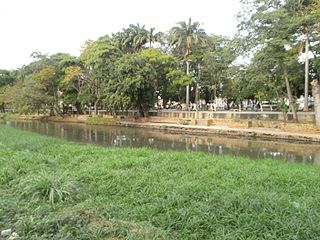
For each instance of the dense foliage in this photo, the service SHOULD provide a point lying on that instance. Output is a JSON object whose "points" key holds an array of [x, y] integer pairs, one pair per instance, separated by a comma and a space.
{"points": [[135, 68]]}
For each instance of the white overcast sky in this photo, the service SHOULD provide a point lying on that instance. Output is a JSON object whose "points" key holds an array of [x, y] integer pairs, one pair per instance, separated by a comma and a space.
{"points": [[51, 26]]}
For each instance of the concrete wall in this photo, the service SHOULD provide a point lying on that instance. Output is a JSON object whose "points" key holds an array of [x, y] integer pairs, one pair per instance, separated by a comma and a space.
{"points": [[303, 116]]}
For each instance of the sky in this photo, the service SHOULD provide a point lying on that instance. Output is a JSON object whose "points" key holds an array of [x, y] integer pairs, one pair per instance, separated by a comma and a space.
{"points": [[52, 26]]}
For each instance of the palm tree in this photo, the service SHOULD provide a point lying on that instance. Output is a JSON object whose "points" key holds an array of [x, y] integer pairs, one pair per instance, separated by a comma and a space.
{"points": [[154, 37], [139, 36], [132, 39], [184, 37]]}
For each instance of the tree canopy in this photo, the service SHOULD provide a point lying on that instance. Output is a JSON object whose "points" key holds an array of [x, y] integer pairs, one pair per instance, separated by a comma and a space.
{"points": [[136, 67]]}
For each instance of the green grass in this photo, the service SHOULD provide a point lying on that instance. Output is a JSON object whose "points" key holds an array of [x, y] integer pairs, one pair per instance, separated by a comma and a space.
{"points": [[53, 189], [94, 120], [8, 116]]}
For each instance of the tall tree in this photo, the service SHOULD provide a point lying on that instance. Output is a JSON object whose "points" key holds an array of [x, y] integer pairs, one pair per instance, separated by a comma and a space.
{"points": [[133, 85], [268, 25], [38, 84], [166, 74], [132, 39], [44, 88], [99, 58], [183, 38], [218, 56], [154, 37], [72, 84], [7, 78], [305, 15]]}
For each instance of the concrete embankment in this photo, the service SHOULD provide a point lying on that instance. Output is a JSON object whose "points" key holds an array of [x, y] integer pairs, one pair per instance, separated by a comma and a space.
{"points": [[270, 130], [264, 133]]}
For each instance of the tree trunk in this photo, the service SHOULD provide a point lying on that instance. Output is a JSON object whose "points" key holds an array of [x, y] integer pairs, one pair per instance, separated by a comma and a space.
{"points": [[78, 107], [214, 92], [56, 105], [51, 113], [164, 102], [197, 96], [141, 111], [316, 96], [197, 87], [96, 108], [290, 97], [306, 77], [2, 108], [187, 89]]}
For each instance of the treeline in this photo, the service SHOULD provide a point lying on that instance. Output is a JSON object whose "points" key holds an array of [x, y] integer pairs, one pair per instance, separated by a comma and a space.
{"points": [[135, 67]]}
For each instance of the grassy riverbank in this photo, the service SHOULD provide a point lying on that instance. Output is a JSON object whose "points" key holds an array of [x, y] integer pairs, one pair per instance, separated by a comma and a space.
{"points": [[93, 120], [51, 188], [90, 120]]}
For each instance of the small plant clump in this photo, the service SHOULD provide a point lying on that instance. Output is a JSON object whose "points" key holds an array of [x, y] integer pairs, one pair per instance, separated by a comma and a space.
{"points": [[185, 122], [49, 187]]}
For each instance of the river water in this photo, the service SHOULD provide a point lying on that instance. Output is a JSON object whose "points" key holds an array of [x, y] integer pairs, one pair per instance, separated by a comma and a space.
{"points": [[137, 137]]}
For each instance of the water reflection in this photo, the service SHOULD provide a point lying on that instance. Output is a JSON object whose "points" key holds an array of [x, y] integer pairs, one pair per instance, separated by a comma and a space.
{"points": [[137, 137]]}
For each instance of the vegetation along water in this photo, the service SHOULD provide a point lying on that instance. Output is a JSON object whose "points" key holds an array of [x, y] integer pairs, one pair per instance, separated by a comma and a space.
{"points": [[51, 188]]}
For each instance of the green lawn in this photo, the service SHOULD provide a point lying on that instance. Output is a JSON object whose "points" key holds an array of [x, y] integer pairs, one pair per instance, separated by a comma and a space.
{"points": [[54, 189]]}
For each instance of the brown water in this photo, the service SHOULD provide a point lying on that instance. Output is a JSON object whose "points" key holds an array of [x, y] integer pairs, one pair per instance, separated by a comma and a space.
{"points": [[136, 137]]}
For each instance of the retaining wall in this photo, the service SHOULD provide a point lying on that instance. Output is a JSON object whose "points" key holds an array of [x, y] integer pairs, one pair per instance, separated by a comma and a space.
{"points": [[303, 116]]}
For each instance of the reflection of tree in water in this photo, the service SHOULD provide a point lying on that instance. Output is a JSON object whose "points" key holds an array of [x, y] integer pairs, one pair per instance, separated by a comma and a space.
{"points": [[138, 137]]}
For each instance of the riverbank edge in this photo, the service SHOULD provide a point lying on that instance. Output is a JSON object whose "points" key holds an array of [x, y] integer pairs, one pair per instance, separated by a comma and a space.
{"points": [[231, 132], [253, 133]]}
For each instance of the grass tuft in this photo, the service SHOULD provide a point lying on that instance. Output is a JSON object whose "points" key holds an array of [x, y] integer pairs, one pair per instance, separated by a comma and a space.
{"points": [[49, 187]]}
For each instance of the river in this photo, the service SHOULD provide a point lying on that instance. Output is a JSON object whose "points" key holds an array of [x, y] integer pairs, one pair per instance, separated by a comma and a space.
{"points": [[137, 137]]}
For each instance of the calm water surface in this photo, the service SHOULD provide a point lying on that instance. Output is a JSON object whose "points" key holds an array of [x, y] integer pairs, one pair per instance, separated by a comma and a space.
{"points": [[136, 137]]}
